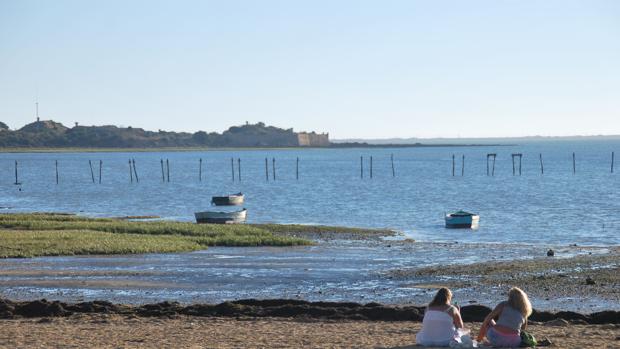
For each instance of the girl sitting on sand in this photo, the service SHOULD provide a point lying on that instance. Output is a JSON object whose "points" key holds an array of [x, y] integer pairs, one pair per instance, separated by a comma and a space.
{"points": [[511, 318], [441, 321]]}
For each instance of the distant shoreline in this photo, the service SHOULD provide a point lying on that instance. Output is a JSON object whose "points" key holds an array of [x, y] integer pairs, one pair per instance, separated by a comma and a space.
{"points": [[414, 145], [476, 140], [190, 149]]}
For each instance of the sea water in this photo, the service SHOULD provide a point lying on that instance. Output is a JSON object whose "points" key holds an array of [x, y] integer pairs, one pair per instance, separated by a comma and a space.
{"points": [[521, 217], [560, 206]]}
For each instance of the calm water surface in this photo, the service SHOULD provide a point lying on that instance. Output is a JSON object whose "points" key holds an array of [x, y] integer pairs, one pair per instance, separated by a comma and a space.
{"points": [[559, 206]]}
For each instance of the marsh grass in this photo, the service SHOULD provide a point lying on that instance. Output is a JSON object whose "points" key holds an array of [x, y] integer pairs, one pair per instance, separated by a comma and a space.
{"points": [[318, 229], [46, 234], [43, 234], [34, 243]]}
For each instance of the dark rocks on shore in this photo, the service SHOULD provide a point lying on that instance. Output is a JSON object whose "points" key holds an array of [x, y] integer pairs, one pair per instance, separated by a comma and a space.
{"points": [[475, 313], [550, 253], [285, 308]]}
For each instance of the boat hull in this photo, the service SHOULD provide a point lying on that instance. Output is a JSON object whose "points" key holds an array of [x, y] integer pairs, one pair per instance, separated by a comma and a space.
{"points": [[221, 217], [455, 222], [230, 200]]}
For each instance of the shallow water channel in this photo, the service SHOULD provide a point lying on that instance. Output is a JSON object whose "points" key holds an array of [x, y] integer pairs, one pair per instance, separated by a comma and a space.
{"points": [[335, 270]]}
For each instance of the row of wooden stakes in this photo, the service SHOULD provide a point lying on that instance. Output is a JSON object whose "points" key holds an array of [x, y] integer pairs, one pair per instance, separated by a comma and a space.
{"points": [[236, 173], [515, 157], [165, 170]]}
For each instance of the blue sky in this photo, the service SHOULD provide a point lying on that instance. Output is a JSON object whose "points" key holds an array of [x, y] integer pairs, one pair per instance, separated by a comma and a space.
{"points": [[363, 69]]}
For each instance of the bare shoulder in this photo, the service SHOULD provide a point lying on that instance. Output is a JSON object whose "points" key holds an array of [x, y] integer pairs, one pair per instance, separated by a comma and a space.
{"points": [[445, 308], [499, 307]]}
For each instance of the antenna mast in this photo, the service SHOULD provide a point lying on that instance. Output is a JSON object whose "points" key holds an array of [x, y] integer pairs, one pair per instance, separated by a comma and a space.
{"points": [[36, 103]]}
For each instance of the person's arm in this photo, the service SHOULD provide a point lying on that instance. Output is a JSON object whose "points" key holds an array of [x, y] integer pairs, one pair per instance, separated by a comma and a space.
{"points": [[456, 316], [524, 326], [487, 320], [493, 314]]}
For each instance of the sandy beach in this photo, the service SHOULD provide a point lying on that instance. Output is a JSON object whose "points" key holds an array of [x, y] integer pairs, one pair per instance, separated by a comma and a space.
{"points": [[118, 331]]}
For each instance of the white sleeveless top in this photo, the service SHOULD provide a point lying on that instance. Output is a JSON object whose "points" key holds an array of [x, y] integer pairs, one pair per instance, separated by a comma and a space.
{"points": [[437, 329]]}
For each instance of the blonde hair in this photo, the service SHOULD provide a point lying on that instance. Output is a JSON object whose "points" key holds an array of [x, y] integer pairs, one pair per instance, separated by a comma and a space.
{"points": [[518, 300], [443, 296]]}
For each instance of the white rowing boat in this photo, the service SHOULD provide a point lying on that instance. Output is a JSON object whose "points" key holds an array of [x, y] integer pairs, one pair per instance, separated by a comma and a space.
{"points": [[221, 217]]}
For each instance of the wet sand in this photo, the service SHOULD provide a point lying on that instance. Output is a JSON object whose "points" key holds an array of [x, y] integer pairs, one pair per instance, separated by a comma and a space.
{"points": [[338, 325], [389, 272], [551, 281], [118, 331]]}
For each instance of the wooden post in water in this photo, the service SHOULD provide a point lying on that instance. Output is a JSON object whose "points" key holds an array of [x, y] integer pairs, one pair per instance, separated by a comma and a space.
{"points": [[239, 169], [16, 178], [516, 155], [163, 176], [232, 168], [612, 162], [200, 170], [135, 171], [130, 172], [56, 171], [542, 169], [452, 165], [463, 166], [392, 161], [168, 170], [266, 169], [574, 167], [491, 155], [92, 174], [297, 169], [370, 166], [362, 167], [100, 167], [273, 167], [487, 164]]}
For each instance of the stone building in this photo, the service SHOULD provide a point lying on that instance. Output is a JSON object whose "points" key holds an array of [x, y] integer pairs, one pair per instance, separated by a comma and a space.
{"points": [[313, 139]]}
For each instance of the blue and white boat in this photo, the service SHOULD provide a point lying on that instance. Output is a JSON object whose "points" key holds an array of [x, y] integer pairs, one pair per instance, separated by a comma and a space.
{"points": [[462, 219]]}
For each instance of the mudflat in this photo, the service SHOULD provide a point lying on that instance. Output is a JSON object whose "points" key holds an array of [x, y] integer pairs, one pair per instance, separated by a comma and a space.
{"points": [[557, 282], [120, 331]]}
